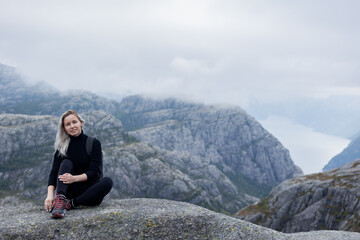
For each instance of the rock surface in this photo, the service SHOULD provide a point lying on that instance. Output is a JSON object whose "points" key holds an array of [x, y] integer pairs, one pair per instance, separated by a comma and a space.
{"points": [[140, 219], [329, 200]]}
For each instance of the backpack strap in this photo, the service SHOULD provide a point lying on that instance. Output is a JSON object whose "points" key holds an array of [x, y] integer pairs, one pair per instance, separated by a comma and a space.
{"points": [[89, 144]]}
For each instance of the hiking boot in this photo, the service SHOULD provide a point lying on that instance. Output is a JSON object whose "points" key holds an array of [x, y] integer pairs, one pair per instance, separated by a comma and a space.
{"points": [[61, 204], [69, 205]]}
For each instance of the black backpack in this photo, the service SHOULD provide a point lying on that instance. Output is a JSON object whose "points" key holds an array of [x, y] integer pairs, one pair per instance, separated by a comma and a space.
{"points": [[89, 144]]}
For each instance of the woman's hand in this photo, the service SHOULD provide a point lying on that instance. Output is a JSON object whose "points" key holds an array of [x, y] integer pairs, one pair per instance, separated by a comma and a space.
{"points": [[67, 178], [49, 201]]}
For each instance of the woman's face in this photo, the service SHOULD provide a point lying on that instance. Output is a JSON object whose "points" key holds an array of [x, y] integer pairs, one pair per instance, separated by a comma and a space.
{"points": [[72, 125]]}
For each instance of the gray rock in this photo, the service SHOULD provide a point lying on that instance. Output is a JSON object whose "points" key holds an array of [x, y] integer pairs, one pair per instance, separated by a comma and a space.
{"points": [[140, 219], [140, 170], [328, 200]]}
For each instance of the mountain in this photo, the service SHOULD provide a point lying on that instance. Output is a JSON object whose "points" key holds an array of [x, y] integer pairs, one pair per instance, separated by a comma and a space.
{"points": [[214, 156], [225, 136], [328, 200], [349, 154], [19, 97], [139, 219], [137, 168]]}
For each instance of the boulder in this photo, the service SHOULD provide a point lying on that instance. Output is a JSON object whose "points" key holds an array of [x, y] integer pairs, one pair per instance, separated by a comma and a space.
{"points": [[139, 219]]}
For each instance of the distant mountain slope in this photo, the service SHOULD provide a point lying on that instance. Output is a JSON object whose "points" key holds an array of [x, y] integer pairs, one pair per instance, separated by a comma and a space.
{"points": [[17, 96], [328, 200], [349, 154]]}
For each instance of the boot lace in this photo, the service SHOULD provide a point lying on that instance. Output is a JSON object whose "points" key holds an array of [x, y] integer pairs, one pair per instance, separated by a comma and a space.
{"points": [[59, 203]]}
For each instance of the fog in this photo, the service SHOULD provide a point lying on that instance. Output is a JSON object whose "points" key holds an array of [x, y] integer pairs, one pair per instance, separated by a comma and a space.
{"points": [[309, 149]]}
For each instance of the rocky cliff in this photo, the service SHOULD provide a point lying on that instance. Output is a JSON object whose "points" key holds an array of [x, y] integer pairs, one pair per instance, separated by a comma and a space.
{"points": [[138, 169], [139, 219], [329, 200], [225, 136], [349, 154]]}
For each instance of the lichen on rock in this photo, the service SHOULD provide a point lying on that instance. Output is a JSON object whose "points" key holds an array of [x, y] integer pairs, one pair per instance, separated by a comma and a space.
{"points": [[138, 219]]}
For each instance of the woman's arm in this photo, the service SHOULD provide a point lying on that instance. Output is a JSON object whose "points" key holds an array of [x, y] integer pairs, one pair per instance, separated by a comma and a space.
{"points": [[54, 169], [52, 182]]}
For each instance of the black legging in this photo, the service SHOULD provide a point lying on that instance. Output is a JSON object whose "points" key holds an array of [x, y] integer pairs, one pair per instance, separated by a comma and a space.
{"points": [[83, 193]]}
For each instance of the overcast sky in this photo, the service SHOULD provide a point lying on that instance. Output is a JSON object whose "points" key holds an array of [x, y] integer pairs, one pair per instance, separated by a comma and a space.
{"points": [[214, 51]]}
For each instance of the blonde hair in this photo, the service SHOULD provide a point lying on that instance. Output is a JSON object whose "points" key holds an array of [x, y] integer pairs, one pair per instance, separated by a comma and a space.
{"points": [[62, 138]]}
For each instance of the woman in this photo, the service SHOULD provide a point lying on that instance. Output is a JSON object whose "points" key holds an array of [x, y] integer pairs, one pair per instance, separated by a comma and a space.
{"points": [[75, 174]]}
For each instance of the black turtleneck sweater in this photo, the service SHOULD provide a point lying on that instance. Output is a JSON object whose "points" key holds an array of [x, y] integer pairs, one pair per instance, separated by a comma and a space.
{"points": [[82, 163]]}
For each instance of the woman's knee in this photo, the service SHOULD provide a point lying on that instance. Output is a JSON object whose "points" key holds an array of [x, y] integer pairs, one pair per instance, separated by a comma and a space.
{"points": [[107, 182], [66, 166]]}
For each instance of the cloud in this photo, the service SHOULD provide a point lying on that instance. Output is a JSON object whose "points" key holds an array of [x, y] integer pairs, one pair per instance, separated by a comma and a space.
{"points": [[193, 66], [219, 51], [270, 52]]}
